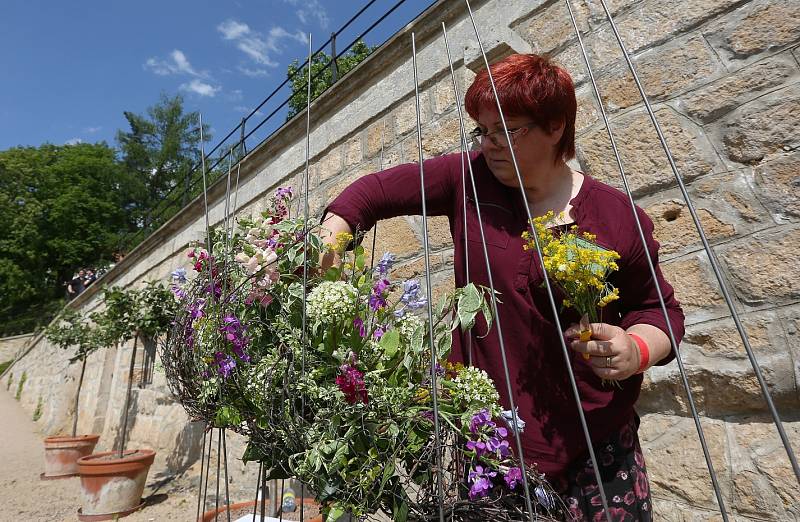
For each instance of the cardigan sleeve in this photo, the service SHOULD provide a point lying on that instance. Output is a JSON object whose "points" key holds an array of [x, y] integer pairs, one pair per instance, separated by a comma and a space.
{"points": [[398, 192], [638, 291]]}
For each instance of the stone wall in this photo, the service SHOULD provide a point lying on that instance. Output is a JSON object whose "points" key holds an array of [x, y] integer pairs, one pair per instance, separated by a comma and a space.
{"points": [[11, 346], [724, 81]]}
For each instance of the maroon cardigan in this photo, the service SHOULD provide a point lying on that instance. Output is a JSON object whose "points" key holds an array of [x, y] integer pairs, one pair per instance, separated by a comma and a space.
{"points": [[553, 437]]}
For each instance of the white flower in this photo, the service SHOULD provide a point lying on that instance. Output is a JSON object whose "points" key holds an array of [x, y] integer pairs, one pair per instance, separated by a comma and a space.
{"points": [[475, 388], [332, 301]]}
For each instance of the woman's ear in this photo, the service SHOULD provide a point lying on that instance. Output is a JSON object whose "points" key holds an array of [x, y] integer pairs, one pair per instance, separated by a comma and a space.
{"points": [[557, 130]]}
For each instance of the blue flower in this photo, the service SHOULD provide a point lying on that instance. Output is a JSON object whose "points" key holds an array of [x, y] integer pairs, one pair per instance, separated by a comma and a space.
{"points": [[384, 265], [179, 275], [519, 427]]}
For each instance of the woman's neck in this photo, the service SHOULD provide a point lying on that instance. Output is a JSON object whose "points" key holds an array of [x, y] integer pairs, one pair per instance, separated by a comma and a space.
{"points": [[552, 189]]}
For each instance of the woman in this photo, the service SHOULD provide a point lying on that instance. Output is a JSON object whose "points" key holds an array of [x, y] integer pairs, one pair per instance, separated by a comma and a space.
{"points": [[538, 101]]}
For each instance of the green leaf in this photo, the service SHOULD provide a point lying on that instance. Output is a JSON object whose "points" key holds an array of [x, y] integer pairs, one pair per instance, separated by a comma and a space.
{"points": [[470, 299], [390, 343], [335, 513]]}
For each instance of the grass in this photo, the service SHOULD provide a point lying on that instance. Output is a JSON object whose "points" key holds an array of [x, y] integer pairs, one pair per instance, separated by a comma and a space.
{"points": [[5, 365]]}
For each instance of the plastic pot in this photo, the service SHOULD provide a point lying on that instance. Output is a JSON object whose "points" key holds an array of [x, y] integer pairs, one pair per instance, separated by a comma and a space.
{"points": [[111, 487], [61, 454]]}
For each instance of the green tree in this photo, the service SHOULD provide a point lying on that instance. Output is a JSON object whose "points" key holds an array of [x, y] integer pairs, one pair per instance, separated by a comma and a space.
{"points": [[324, 78], [62, 208], [159, 150]]}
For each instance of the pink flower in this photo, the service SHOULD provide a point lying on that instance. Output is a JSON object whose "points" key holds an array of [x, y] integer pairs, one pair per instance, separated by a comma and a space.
{"points": [[351, 382], [640, 485]]}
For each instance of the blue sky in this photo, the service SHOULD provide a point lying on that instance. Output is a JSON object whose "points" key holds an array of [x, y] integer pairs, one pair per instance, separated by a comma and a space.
{"points": [[69, 69]]}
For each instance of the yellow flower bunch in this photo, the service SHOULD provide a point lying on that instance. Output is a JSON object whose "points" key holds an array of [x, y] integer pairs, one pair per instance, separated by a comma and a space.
{"points": [[576, 264], [342, 240]]}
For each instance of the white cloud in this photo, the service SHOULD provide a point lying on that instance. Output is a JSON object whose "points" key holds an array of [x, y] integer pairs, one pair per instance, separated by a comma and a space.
{"points": [[200, 88], [253, 73], [257, 46], [73, 141], [176, 63], [92, 130], [309, 10], [246, 110], [235, 95]]}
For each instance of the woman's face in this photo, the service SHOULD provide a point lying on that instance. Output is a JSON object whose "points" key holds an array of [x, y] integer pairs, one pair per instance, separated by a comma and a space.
{"points": [[534, 148]]}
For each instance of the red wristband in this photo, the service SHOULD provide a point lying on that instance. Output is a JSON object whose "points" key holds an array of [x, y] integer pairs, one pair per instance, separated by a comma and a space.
{"points": [[644, 352]]}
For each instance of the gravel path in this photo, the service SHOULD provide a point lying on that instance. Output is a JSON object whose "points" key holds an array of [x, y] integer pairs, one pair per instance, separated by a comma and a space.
{"points": [[27, 499]]}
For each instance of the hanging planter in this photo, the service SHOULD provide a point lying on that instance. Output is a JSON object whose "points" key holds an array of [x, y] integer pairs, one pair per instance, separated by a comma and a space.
{"points": [[111, 487], [61, 455]]}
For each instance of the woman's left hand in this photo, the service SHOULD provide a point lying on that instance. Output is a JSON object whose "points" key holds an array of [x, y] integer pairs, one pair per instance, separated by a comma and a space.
{"points": [[612, 353]]}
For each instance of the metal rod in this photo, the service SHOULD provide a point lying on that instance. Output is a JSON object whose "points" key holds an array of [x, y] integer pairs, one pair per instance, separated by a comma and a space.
{"points": [[305, 250], [548, 286], [428, 287], [651, 265], [225, 464], [375, 227], [258, 488], [464, 159], [711, 257], [78, 396], [208, 462], [334, 67], [202, 461], [495, 310], [219, 460], [128, 398]]}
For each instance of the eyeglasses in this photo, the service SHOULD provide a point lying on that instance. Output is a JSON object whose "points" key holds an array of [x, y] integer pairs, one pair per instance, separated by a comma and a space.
{"points": [[498, 137]]}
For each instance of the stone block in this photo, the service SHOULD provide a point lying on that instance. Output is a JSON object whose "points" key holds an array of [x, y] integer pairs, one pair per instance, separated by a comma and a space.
{"points": [[391, 157], [655, 21], [672, 449], [571, 60], [695, 287], [675, 229], [726, 94], [664, 72], [763, 267], [587, 114], [438, 231], [378, 136], [721, 338], [760, 27], [443, 95], [549, 29], [342, 182], [760, 130], [764, 484], [405, 115], [438, 137], [642, 155], [777, 185], [668, 510], [396, 236], [352, 151], [330, 164]]}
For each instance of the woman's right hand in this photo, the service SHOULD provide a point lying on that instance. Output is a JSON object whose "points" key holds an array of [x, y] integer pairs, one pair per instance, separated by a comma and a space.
{"points": [[332, 226]]}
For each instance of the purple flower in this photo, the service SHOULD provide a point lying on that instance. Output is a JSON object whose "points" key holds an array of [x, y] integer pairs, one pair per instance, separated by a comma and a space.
{"points": [[377, 300], [178, 292], [513, 477], [480, 482], [479, 420], [283, 192], [379, 331], [234, 332], [225, 364], [384, 265], [196, 309], [477, 446], [359, 323], [498, 446]]}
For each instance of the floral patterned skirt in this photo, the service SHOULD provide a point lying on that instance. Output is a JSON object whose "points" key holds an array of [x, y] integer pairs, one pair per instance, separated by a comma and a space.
{"points": [[624, 476]]}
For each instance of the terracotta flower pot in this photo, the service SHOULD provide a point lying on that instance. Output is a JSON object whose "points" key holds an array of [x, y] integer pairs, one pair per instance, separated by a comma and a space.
{"points": [[61, 454], [112, 487], [242, 509]]}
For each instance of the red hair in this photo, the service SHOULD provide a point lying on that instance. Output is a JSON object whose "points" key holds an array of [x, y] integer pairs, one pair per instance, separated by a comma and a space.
{"points": [[533, 86]]}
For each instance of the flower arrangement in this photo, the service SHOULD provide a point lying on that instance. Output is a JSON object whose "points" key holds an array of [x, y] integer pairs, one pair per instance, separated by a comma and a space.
{"points": [[342, 396], [578, 266]]}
